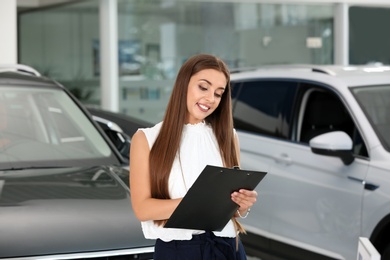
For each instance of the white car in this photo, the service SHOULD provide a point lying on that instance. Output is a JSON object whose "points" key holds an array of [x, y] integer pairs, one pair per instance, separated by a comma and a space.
{"points": [[323, 135]]}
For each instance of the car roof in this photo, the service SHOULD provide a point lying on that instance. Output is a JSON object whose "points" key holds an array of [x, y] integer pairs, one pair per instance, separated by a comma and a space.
{"points": [[26, 79], [349, 76]]}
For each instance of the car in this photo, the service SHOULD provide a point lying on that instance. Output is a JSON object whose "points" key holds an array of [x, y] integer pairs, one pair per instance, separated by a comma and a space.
{"points": [[122, 122], [119, 127], [64, 191], [322, 132]]}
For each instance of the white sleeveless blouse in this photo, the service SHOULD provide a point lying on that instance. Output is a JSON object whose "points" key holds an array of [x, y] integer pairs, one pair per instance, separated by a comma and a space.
{"points": [[198, 148]]}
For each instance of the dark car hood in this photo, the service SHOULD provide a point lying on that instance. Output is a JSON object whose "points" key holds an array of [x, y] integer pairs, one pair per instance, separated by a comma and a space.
{"points": [[52, 211]]}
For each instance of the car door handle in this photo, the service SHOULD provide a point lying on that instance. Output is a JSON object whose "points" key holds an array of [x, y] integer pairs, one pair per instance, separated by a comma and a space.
{"points": [[283, 159], [367, 185]]}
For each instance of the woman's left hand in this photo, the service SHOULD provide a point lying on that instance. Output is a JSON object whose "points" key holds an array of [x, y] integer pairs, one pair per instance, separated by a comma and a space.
{"points": [[244, 199]]}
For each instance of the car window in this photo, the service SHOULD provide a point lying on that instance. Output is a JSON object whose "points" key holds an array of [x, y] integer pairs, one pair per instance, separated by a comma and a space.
{"points": [[322, 111], [375, 102], [263, 107]]}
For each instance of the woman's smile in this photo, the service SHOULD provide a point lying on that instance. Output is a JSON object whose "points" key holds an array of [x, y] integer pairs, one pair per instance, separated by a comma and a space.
{"points": [[203, 108]]}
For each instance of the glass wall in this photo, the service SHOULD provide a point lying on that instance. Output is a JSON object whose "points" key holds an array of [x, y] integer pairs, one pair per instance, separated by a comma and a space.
{"points": [[59, 43], [156, 37]]}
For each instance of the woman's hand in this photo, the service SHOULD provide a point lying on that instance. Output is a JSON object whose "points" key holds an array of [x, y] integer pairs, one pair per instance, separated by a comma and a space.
{"points": [[245, 199]]}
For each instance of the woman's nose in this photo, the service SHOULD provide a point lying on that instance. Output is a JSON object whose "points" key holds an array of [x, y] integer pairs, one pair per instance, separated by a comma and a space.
{"points": [[210, 97]]}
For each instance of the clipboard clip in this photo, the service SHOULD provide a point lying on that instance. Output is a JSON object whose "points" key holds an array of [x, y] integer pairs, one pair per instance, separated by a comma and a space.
{"points": [[233, 168], [238, 168]]}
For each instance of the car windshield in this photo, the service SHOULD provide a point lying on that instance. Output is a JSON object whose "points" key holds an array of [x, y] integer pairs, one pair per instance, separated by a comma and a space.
{"points": [[375, 101], [42, 127]]}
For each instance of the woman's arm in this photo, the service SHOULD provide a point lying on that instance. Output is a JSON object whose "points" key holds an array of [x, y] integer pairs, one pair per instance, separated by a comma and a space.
{"points": [[145, 207]]}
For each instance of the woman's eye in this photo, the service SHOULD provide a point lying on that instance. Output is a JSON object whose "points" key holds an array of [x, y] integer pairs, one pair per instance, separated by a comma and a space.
{"points": [[202, 88], [218, 95]]}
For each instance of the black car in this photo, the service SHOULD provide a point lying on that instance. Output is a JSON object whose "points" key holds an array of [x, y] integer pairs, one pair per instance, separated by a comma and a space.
{"points": [[127, 124], [118, 127], [64, 190]]}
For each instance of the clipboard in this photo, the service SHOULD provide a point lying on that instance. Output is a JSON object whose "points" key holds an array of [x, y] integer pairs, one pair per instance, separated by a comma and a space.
{"points": [[208, 204]]}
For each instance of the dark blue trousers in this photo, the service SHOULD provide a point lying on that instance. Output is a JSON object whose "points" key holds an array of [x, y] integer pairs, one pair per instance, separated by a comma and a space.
{"points": [[205, 246]]}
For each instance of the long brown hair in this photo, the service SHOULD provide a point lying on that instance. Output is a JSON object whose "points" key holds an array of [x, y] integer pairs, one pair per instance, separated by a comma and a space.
{"points": [[167, 143]]}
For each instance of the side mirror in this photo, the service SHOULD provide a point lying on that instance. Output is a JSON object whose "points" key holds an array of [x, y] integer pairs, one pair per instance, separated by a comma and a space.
{"points": [[336, 143]]}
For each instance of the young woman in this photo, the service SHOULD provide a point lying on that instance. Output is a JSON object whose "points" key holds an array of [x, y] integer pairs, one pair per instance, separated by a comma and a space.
{"points": [[165, 160]]}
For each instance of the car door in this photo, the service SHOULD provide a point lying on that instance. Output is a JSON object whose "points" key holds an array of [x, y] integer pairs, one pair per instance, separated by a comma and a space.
{"points": [[261, 110], [316, 207]]}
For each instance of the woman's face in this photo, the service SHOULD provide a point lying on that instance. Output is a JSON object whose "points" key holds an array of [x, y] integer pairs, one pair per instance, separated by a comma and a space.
{"points": [[205, 91]]}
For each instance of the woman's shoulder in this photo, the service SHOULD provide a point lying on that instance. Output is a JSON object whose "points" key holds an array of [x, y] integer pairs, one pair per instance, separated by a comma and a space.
{"points": [[150, 133], [152, 129]]}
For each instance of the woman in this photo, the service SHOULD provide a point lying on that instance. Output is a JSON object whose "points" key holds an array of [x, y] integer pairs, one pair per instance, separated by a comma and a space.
{"points": [[166, 159]]}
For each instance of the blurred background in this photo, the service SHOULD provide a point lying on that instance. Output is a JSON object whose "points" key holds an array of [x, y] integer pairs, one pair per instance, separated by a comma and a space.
{"points": [[123, 55]]}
